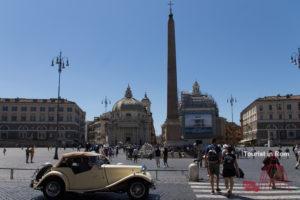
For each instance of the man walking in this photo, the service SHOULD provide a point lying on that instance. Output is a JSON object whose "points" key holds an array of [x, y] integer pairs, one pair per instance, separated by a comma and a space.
{"points": [[297, 152], [213, 160], [165, 154], [157, 156]]}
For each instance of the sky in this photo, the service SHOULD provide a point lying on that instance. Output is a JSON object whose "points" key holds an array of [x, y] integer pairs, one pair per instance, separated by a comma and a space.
{"points": [[233, 47]]}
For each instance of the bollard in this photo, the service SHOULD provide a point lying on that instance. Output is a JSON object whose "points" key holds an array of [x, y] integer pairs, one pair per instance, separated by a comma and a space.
{"points": [[193, 172], [11, 174], [156, 174]]}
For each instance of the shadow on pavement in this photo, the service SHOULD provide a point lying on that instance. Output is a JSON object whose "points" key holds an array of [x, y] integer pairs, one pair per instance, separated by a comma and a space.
{"points": [[96, 196]]}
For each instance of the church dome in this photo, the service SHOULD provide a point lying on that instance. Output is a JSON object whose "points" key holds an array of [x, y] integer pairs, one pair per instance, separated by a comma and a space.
{"points": [[128, 103]]}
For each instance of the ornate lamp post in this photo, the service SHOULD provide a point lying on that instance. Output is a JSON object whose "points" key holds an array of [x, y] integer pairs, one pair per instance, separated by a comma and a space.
{"points": [[106, 101], [295, 58], [61, 62], [231, 100]]}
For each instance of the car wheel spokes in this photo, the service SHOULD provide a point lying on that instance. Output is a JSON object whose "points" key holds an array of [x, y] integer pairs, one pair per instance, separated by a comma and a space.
{"points": [[137, 189], [53, 188]]}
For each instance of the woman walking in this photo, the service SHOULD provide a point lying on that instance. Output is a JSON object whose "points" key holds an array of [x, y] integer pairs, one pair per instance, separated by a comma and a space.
{"points": [[271, 166], [230, 169]]}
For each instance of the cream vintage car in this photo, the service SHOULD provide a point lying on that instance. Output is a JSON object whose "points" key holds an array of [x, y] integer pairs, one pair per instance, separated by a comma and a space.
{"points": [[83, 172]]}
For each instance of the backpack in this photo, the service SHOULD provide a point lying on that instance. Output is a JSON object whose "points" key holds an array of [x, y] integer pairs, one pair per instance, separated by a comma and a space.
{"points": [[228, 161], [212, 154]]}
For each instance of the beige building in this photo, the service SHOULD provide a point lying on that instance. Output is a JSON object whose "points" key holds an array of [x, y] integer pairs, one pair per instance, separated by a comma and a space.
{"points": [[273, 119], [33, 121], [129, 122]]}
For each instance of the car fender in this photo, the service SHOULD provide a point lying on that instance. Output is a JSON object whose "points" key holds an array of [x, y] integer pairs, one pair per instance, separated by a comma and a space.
{"points": [[54, 174], [122, 182]]}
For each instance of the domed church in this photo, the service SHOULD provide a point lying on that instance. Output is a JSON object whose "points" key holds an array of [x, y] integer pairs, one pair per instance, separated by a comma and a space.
{"points": [[131, 121]]}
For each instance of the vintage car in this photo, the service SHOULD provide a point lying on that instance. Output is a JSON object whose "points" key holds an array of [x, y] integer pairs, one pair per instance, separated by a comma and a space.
{"points": [[85, 172]]}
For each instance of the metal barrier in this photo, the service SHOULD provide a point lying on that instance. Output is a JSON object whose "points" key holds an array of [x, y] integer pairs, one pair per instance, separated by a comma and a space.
{"points": [[166, 170], [15, 169], [12, 170]]}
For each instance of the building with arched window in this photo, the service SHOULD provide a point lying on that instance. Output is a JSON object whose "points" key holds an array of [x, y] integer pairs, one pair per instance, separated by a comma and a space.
{"points": [[34, 122]]}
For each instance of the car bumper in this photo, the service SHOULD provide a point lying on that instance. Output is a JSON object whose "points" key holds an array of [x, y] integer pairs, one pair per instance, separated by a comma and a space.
{"points": [[33, 184]]}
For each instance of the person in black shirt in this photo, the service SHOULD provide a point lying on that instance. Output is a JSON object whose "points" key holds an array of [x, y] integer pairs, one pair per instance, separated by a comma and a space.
{"points": [[230, 169], [165, 154], [157, 156], [271, 163]]}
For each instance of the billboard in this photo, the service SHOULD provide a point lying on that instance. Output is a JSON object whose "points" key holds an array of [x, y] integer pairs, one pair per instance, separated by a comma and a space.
{"points": [[198, 123]]}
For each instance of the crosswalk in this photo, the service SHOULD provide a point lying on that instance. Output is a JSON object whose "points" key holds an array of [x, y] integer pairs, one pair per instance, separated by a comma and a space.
{"points": [[202, 190]]}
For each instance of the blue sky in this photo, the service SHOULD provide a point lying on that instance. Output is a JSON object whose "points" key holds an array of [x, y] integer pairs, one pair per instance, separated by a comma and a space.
{"points": [[230, 47]]}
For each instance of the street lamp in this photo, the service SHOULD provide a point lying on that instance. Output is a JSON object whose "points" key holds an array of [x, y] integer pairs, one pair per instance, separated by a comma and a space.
{"points": [[231, 100], [61, 62], [106, 101], [295, 58]]}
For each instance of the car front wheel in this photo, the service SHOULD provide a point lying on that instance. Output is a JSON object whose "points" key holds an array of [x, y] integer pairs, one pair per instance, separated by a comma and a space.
{"points": [[54, 189], [138, 190]]}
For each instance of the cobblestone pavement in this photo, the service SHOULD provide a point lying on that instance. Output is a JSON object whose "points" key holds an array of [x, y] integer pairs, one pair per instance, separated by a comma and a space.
{"points": [[170, 185]]}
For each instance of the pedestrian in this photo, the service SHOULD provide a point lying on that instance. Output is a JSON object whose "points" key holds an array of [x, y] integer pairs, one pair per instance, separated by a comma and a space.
{"points": [[157, 156], [172, 152], [213, 159], [230, 169], [253, 152], [135, 155], [31, 153], [117, 151], [297, 151], [271, 164], [165, 157], [27, 151], [279, 152], [4, 151], [287, 151]]}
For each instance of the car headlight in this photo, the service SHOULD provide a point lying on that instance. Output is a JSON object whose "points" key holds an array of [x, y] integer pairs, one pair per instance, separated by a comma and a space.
{"points": [[144, 168]]}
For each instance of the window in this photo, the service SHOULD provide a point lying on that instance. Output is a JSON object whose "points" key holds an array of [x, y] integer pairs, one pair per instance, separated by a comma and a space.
{"points": [[69, 118], [261, 117], [69, 109], [32, 118], [13, 118], [14, 108], [289, 107], [270, 107], [261, 108], [60, 118], [61, 109], [271, 116], [280, 116], [278, 106], [128, 115], [299, 106], [51, 118], [5, 108], [290, 116], [23, 118], [42, 118], [4, 118], [42, 109], [51, 109], [23, 108], [33, 109]]}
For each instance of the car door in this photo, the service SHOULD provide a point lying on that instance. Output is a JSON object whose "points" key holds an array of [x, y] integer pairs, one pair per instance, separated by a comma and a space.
{"points": [[88, 175]]}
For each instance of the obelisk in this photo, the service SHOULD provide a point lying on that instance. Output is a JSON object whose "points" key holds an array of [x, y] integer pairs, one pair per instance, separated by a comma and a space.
{"points": [[171, 127]]}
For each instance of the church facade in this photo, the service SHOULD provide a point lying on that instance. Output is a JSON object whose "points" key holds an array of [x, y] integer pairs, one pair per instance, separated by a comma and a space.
{"points": [[129, 122]]}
